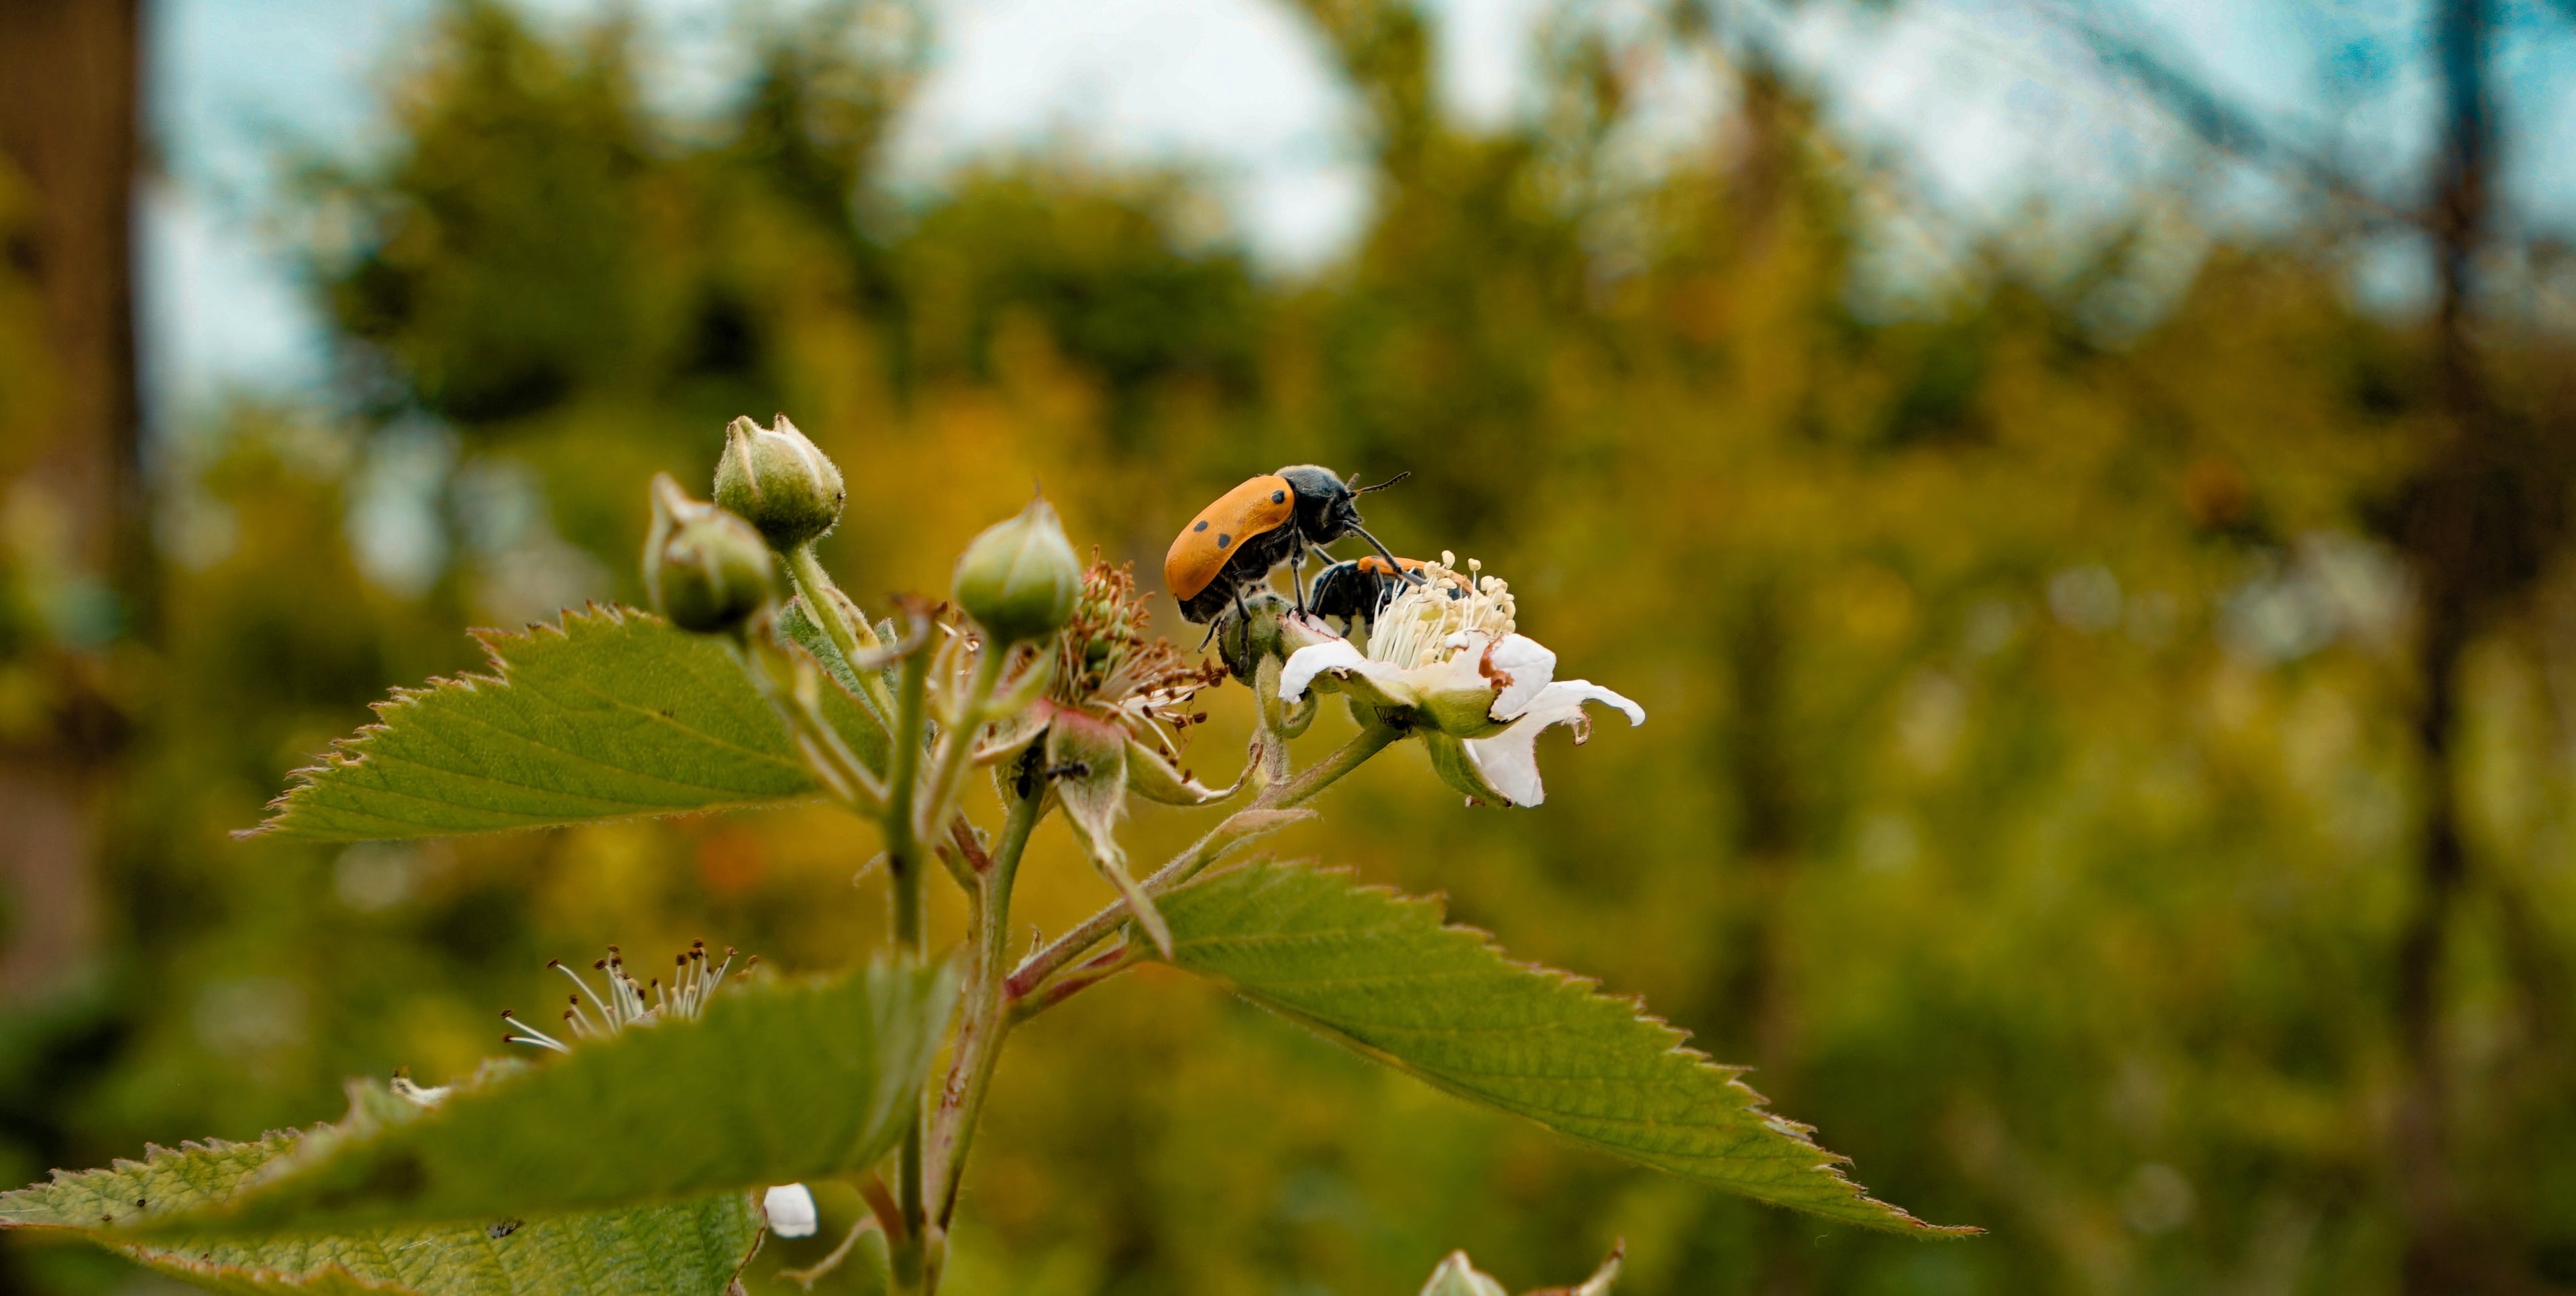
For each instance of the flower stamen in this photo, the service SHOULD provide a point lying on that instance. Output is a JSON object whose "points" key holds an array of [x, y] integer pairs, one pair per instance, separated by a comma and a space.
{"points": [[1424, 623], [593, 1014]]}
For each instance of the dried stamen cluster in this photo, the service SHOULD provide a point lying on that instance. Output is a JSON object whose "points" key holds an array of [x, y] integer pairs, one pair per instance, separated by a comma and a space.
{"points": [[593, 1015], [1107, 665]]}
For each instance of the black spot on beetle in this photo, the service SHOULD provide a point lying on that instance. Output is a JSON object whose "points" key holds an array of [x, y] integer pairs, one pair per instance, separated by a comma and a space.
{"points": [[1278, 497], [1202, 526], [1222, 539]]}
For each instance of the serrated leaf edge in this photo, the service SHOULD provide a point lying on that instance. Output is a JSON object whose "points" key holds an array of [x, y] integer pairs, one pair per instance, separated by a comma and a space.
{"points": [[1436, 904], [153, 1154], [351, 750], [114, 1232], [168, 1261]]}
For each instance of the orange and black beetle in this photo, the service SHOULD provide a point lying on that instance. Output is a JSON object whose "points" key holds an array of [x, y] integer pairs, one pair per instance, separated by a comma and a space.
{"points": [[1355, 592], [1233, 544]]}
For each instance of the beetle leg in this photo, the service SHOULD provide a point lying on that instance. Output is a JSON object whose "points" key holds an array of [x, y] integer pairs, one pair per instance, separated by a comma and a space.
{"points": [[1297, 573], [1409, 578]]}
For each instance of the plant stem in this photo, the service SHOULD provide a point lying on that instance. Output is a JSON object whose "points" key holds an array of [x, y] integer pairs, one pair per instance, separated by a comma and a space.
{"points": [[1350, 756], [987, 1020], [956, 742], [1278, 796], [851, 638], [1091, 972], [903, 787], [781, 677], [904, 869], [816, 585]]}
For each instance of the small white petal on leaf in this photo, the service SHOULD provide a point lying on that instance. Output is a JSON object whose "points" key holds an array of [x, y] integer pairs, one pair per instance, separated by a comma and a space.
{"points": [[790, 1208]]}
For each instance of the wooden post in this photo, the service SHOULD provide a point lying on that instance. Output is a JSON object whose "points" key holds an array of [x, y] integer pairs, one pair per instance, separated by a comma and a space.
{"points": [[68, 83]]}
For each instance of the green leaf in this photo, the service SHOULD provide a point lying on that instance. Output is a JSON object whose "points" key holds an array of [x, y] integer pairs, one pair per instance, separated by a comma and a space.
{"points": [[612, 714], [775, 1083], [694, 1246], [1380, 973]]}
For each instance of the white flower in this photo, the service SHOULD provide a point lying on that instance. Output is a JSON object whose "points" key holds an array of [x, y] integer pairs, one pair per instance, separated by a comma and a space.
{"points": [[1458, 1276], [1445, 660], [790, 1208], [594, 1015]]}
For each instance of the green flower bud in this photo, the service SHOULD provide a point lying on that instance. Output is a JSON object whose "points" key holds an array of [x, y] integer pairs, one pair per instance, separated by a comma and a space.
{"points": [[1019, 579], [1244, 641], [706, 569], [778, 480]]}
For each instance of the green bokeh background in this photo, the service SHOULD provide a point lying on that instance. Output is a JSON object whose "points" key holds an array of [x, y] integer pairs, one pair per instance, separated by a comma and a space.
{"points": [[2029, 791]]}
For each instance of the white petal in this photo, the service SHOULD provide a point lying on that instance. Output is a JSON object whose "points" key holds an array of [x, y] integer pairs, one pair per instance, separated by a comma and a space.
{"points": [[1523, 666], [1564, 700], [1375, 682], [1457, 1276], [1509, 760], [1306, 663], [790, 1209]]}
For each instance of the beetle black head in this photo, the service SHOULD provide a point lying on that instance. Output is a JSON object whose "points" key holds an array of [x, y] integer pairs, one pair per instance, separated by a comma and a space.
{"points": [[1326, 508]]}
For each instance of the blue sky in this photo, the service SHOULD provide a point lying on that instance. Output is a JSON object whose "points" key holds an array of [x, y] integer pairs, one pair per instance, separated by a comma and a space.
{"points": [[1993, 105]]}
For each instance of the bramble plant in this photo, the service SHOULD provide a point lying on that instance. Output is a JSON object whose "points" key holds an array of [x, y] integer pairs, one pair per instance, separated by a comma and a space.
{"points": [[651, 1140]]}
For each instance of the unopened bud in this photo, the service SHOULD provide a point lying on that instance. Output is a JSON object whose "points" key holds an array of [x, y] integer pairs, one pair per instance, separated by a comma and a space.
{"points": [[1019, 579], [705, 569], [779, 481]]}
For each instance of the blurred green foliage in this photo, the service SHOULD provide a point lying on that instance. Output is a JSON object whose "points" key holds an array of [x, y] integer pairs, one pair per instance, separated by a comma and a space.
{"points": [[2028, 791]]}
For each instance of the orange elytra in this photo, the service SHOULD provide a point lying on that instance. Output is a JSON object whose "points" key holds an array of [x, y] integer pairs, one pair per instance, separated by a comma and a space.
{"points": [[1204, 547]]}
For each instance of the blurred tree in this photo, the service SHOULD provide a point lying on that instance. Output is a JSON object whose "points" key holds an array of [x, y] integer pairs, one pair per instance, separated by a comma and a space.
{"points": [[75, 570], [2035, 783], [2478, 518]]}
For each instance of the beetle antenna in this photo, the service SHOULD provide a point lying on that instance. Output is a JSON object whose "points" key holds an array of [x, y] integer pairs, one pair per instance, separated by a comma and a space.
{"points": [[1392, 561], [1363, 490]]}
